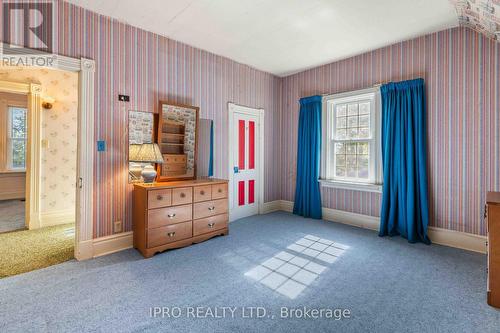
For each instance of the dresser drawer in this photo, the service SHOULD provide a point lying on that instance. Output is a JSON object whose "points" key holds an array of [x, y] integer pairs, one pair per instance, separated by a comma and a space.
{"points": [[174, 158], [202, 193], [169, 234], [209, 224], [168, 215], [219, 191], [175, 167], [181, 196], [209, 208], [159, 198]]}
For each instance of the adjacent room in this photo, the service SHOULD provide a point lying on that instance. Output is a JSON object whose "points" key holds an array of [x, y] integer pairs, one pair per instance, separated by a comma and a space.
{"points": [[38, 124], [250, 166]]}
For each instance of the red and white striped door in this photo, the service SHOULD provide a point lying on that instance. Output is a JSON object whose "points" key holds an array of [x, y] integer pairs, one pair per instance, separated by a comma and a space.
{"points": [[246, 145]]}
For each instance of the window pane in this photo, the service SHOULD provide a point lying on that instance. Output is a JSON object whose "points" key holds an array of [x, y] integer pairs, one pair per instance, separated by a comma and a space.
{"points": [[340, 159], [351, 148], [363, 148], [364, 108], [341, 134], [364, 121], [352, 133], [352, 121], [363, 166], [18, 153], [341, 110], [18, 122], [340, 171], [341, 122], [364, 133], [352, 109], [351, 166], [339, 148]]}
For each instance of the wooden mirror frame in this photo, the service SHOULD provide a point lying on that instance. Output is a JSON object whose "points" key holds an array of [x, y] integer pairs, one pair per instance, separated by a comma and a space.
{"points": [[159, 177]]}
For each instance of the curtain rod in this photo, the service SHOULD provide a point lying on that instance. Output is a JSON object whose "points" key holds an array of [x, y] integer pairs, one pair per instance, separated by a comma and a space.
{"points": [[376, 85]]}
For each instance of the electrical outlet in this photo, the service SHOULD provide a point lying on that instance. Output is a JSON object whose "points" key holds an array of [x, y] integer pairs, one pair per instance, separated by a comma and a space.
{"points": [[117, 227]]}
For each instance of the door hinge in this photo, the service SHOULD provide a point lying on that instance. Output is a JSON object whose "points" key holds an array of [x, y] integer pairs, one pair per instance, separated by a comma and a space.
{"points": [[80, 182]]}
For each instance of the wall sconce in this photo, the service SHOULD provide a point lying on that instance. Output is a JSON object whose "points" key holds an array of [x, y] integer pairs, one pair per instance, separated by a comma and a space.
{"points": [[47, 102]]}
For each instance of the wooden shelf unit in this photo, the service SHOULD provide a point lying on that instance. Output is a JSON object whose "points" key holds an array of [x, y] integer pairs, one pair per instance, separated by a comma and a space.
{"points": [[492, 215]]}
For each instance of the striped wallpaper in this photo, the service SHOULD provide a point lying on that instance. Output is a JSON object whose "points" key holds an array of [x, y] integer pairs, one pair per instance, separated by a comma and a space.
{"points": [[462, 72], [461, 69], [150, 68]]}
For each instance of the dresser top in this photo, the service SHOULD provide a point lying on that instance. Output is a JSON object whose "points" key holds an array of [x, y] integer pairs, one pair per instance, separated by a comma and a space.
{"points": [[493, 198], [181, 183]]}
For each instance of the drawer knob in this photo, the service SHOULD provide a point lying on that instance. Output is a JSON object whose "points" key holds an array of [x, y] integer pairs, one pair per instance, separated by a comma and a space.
{"points": [[171, 215], [202, 192], [211, 225], [171, 234], [159, 197], [220, 190], [211, 208], [183, 195]]}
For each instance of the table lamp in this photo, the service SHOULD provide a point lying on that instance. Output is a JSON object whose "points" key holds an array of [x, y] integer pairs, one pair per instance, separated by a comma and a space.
{"points": [[145, 153]]}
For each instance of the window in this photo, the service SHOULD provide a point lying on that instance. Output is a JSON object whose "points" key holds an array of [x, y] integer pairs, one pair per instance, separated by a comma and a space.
{"points": [[16, 139], [351, 153]]}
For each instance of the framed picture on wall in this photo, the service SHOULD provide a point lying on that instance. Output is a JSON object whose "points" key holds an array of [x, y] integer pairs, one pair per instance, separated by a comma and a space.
{"points": [[141, 129]]}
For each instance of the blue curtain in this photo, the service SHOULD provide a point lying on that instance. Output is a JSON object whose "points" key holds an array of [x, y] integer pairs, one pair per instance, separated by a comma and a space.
{"points": [[307, 194], [211, 158], [405, 203]]}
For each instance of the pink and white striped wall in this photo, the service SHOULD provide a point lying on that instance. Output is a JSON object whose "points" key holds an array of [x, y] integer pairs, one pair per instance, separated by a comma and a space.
{"points": [[151, 68], [461, 69]]}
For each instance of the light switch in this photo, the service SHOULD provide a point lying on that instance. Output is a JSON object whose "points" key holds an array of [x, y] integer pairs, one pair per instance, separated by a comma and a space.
{"points": [[101, 145]]}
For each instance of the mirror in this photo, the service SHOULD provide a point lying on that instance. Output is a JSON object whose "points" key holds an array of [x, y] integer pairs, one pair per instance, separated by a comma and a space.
{"points": [[204, 165], [177, 138], [140, 130]]}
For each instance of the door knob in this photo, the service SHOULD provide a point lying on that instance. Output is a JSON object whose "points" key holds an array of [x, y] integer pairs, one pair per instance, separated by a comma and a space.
{"points": [[236, 169]]}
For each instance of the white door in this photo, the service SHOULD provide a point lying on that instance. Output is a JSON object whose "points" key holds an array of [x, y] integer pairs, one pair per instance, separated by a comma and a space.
{"points": [[245, 162]]}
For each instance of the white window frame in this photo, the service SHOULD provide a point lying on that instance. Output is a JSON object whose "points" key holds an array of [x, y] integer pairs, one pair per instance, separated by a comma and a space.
{"points": [[10, 139], [329, 120]]}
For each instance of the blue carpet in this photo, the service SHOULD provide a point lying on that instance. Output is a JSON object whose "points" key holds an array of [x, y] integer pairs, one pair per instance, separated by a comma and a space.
{"points": [[387, 285]]}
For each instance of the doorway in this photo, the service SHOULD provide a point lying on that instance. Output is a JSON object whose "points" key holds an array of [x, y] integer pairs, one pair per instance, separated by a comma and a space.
{"points": [[246, 161], [49, 209]]}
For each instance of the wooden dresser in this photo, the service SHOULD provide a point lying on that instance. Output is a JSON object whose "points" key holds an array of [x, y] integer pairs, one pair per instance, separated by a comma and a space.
{"points": [[492, 214], [178, 213]]}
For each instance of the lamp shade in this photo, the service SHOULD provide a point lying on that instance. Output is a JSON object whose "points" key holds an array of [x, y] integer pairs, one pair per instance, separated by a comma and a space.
{"points": [[145, 153]]}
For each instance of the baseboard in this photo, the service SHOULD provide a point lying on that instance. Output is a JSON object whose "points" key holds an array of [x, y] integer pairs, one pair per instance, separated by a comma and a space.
{"points": [[104, 245], [57, 217], [456, 239], [271, 206], [114, 243], [461, 240]]}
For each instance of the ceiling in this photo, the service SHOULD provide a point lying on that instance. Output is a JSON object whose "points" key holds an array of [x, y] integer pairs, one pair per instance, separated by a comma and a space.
{"points": [[283, 36]]}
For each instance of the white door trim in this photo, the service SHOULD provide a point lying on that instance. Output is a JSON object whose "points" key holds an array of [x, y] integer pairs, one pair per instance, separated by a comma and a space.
{"points": [[232, 109], [85, 149]]}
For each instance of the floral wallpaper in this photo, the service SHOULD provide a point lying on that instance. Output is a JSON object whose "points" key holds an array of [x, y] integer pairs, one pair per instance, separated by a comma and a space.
{"points": [[59, 127], [480, 15]]}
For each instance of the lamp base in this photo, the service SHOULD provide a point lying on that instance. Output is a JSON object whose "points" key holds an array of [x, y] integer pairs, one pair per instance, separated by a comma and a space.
{"points": [[135, 170], [148, 174]]}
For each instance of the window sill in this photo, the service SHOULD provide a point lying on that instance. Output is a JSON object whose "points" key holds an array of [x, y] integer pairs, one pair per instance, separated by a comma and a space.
{"points": [[351, 186]]}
